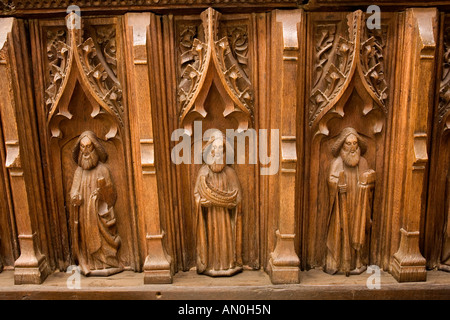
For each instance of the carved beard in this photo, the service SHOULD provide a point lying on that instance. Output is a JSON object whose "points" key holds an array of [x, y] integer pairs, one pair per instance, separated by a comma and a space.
{"points": [[88, 161], [351, 160], [217, 167]]}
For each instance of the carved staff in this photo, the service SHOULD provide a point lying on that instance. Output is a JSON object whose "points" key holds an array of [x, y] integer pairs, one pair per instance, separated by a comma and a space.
{"points": [[75, 236], [346, 256], [76, 225], [363, 209], [363, 219]]}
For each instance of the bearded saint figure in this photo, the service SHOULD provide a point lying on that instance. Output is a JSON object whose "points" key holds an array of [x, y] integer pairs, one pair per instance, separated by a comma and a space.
{"points": [[93, 224], [217, 196], [350, 184]]}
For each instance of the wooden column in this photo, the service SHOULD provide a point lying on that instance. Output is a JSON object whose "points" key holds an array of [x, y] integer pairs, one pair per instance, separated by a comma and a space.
{"points": [[435, 244], [410, 127], [22, 151], [157, 267], [284, 262]]}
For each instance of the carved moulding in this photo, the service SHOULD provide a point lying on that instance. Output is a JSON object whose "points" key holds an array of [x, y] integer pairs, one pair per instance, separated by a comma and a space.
{"points": [[208, 61], [21, 6], [348, 89]]}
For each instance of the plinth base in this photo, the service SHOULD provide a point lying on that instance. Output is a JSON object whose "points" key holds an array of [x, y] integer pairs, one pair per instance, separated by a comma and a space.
{"points": [[248, 285], [408, 273], [157, 277], [284, 275], [31, 275]]}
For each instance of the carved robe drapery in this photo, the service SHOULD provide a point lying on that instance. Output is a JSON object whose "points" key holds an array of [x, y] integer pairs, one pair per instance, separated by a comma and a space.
{"points": [[94, 238], [218, 224], [350, 189]]}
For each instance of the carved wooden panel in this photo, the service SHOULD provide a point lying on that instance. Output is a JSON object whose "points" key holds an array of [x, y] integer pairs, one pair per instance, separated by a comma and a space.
{"points": [[92, 118], [82, 85], [212, 72], [348, 74]]}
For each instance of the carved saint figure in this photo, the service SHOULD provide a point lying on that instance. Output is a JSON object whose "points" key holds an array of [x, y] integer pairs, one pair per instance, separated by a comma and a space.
{"points": [[350, 184], [217, 196], [95, 240], [445, 255]]}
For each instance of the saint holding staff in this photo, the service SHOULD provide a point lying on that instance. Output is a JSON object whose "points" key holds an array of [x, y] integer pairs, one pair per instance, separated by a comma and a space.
{"points": [[95, 240], [350, 184]]}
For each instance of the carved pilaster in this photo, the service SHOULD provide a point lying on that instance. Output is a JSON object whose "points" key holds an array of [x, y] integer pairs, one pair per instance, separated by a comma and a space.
{"points": [[22, 158], [284, 262], [410, 141], [157, 265]]}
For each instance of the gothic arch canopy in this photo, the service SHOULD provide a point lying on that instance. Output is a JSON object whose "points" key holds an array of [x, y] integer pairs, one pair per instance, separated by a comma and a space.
{"points": [[211, 61], [357, 65], [81, 62]]}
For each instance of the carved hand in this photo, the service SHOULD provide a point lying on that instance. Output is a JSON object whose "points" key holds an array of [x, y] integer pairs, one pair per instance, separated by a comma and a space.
{"points": [[77, 200], [368, 177], [205, 203], [231, 205], [342, 188], [342, 185], [97, 192]]}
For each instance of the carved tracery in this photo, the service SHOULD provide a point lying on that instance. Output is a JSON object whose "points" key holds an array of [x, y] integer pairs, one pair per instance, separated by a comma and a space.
{"points": [[335, 68], [57, 54], [324, 36], [92, 63], [338, 57], [238, 39], [372, 63]]}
